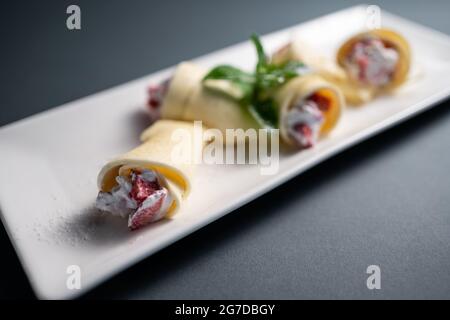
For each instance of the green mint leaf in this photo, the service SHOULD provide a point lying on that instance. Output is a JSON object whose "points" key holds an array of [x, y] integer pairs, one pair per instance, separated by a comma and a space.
{"points": [[231, 73], [254, 90], [267, 111], [230, 81], [262, 59]]}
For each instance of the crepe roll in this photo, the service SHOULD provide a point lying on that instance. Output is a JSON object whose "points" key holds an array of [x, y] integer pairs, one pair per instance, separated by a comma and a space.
{"points": [[327, 68], [184, 97], [378, 59], [150, 182], [310, 108], [308, 103]]}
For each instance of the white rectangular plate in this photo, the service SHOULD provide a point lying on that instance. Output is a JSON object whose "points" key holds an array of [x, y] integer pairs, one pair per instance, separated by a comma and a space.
{"points": [[49, 162]]}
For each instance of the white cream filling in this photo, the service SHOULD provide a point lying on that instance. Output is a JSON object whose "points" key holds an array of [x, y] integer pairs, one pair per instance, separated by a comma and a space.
{"points": [[304, 112], [381, 62], [118, 202], [152, 201]]}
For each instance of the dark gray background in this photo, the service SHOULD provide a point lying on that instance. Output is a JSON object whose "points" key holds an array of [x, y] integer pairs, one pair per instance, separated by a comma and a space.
{"points": [[385, 202]]}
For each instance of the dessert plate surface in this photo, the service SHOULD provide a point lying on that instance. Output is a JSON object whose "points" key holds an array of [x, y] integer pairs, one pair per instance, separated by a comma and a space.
{"points": [[49, 162]]}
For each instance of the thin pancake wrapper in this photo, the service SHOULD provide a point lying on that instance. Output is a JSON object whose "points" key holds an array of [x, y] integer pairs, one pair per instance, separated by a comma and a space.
{"points": [[302, 88], [170, 148], [188, 99], [391, 39], [298, 50]]}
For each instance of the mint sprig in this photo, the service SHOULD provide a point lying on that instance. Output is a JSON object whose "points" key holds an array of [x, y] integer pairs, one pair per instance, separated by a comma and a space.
{"points": [[254, 90]]}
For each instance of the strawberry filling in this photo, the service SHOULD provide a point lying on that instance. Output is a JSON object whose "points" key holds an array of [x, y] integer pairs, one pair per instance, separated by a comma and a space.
{"points": [[141, 198], [306, 132], [323, 103], [156, 95], [304, 120], [147, 214], [372, 62], [142, 189]]}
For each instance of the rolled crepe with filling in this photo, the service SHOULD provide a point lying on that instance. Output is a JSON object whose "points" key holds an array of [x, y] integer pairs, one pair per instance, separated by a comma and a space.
{"points": [[188, 99], [368, 64], [378, 59], [308, 103], [298, 50], [151, 181], [185, 97]]}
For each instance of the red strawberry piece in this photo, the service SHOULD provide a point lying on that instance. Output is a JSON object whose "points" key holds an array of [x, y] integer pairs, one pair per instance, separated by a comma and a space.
{"points": [[306, 132], [142, 189], [154, 96], [153, 103], [145, 216], [322, 102]]}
